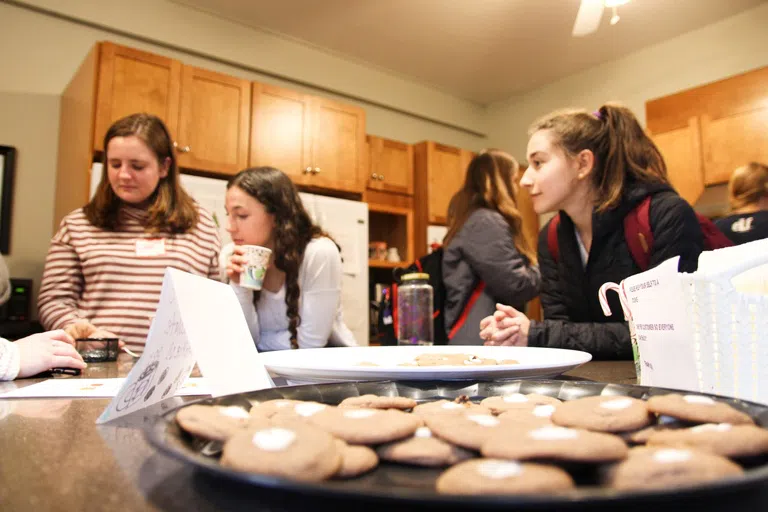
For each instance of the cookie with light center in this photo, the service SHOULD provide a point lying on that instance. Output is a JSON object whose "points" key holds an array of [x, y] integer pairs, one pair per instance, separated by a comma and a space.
{"points": [[603, 414], [494, 476], [529, 418], [271, 407], [718, 438], [663, 468], [300, 452], [448, 407], [379, 402], [423, 449], [366, 426], [468, 430], [555, 443], [215, 422], [697, 409], [513, 401]]}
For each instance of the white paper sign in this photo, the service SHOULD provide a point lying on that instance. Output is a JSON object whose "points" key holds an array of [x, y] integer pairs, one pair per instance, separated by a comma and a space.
{"points": [[664, 339], [197, 319], [94, 388]]}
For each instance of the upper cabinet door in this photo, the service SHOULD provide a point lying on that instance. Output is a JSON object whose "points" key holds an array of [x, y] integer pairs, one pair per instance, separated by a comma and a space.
{"points": [[281, 134], [732, 141], [214, 121], [446, 175], [681, 149], [390, 165], [338, 142], [131, 81]]}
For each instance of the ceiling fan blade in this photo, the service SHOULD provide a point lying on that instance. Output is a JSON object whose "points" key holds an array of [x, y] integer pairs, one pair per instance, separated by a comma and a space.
{"points": [[588, 18]]}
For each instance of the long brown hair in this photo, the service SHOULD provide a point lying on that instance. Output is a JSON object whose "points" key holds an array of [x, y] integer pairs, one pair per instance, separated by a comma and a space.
{"points": [[293, 230], [623, 151], [748, 184], [170, 208], [491, 182]]}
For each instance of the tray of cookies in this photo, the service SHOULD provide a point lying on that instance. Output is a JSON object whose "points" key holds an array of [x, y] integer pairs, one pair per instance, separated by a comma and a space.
{"points": [[421, 363], [522, 443]]}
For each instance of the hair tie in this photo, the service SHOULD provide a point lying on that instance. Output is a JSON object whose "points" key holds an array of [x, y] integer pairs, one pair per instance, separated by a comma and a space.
{"points": [[598, 114]]}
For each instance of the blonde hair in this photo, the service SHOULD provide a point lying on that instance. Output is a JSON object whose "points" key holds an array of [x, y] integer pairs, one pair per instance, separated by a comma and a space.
{"points": [[491, 182], [748, 184], [622, 150]]}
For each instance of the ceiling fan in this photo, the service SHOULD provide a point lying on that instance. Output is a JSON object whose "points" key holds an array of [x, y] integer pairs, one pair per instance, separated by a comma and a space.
{"points": [[591, 13]]}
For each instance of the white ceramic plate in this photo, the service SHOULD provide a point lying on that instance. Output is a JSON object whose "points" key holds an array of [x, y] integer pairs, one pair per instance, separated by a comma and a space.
{"points": [[343, 364]]}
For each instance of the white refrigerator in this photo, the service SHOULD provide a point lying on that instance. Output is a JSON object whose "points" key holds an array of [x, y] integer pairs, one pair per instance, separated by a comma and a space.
{"points": [[346, 221]]}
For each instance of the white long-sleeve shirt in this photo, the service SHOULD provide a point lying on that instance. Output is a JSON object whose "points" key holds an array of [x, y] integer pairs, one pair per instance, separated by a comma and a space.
{"points": [[9, 360], [319, 303]]}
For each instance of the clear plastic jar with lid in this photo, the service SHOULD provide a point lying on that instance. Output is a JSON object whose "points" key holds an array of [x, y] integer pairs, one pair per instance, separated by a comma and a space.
{"points": [[414, 310]]}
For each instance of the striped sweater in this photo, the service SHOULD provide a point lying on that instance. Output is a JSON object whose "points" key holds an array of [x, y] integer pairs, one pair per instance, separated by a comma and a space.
{"points": [[106, 278]]}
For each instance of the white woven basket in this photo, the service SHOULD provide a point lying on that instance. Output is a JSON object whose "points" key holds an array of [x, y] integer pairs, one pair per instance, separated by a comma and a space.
{"points": [[730, 326]]}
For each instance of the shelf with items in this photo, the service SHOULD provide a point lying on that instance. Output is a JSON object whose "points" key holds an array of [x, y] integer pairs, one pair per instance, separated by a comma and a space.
{"points": [[390, 235]]}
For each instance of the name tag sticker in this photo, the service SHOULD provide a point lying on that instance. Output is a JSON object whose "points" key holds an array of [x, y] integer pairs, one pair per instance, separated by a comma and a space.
{"points": [[148, 247]]}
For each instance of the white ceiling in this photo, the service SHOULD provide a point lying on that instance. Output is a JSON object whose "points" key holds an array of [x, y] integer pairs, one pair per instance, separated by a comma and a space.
{"points": [[480, 50]]}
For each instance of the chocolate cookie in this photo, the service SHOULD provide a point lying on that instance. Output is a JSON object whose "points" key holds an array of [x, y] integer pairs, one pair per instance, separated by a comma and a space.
{"points": [[366, 426], [493, 476], [501, 404], [529, 418], [423, 449], [215, 422], [603, 414], [447, 407], [300, 452], [298, 411], [468, 430], [272, 407], [555, 443], [379, 402], [355, 460], [656, 468], [718, 438], [697, 409]]}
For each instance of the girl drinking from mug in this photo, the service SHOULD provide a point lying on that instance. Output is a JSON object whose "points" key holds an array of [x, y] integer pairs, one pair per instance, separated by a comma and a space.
{"points": [[105, 266], [299, 303], [593, 169]]}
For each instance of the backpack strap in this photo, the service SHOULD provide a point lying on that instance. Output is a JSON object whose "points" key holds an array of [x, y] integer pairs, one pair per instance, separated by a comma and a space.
{"points": [[465, 312], [552, 244], [637, 232]]}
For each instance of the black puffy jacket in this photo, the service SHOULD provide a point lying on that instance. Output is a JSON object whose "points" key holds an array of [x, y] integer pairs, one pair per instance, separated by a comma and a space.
{"points": [[573, 317]]}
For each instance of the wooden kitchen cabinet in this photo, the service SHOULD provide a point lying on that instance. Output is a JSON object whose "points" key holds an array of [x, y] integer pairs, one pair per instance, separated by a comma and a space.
{"points": [[706, 132], [390, 166], [207, 113], [214, 121], [681, 149], [318, 142], [131, 81]]}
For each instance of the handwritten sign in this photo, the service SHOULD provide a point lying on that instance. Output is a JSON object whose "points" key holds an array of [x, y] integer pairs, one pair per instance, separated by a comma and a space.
{"points": [[662, 327], [197, 319]]}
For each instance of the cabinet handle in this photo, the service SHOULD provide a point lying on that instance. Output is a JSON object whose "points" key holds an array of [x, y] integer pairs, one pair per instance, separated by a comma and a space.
{"points": [[316, 170], [308, 170], [381, 177], [374, 176], [184, 149]]}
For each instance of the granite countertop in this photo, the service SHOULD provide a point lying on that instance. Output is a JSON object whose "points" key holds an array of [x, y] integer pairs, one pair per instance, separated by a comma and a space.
{"points": [[54, 457]]}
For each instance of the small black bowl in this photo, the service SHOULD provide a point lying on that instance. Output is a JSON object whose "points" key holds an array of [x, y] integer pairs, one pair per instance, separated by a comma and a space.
{"points": [[98, 350]]}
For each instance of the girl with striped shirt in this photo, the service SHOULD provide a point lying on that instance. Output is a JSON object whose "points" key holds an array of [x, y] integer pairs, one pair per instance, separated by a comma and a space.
{"points": [[106, 263]]}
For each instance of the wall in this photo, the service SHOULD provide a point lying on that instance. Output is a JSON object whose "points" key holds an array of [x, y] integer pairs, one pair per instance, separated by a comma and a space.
{"points": [[47, 49], [714, 52]]}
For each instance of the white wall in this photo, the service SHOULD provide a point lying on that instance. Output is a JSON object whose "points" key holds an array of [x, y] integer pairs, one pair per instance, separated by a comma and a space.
{"points": [[714, 52]]}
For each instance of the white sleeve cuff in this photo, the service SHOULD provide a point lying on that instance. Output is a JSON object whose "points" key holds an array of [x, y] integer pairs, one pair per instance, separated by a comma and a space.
{"points": [[10, 360]]}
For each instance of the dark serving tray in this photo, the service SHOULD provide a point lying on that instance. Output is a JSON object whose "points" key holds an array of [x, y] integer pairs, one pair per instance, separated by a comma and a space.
{"points": [[402, 484]]}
